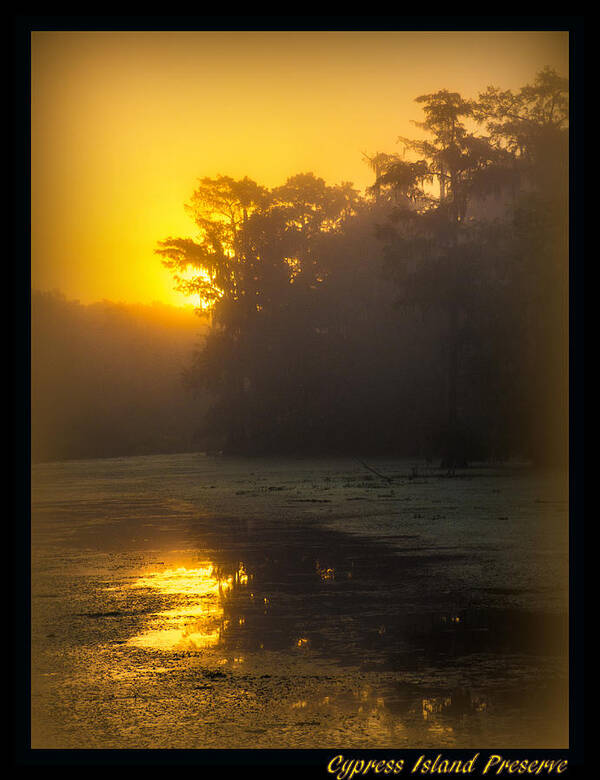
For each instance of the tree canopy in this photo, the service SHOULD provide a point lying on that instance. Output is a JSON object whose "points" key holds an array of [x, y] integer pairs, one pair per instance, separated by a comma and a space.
{"points": [[427, 316]]}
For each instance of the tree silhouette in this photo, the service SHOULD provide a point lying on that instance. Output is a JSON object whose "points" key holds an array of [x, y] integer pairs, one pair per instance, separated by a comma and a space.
{"points": [[427, 316]]}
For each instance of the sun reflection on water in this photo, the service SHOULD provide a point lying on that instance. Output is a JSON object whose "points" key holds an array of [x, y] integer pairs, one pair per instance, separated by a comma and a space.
{"points": [[195, 618]]}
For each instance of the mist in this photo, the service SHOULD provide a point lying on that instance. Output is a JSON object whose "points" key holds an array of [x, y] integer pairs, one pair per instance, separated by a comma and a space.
{"points": [[107, 378]]}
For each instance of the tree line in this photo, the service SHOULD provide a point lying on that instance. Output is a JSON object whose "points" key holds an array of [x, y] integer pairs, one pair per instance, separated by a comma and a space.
{"points": [[427, 316], [106, 378]]}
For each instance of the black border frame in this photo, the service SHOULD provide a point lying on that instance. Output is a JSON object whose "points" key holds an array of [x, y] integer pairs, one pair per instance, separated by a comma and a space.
{"points": [[19, 293]]}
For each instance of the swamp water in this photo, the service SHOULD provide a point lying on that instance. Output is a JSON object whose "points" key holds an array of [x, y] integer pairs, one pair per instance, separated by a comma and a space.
{"points": [[183, 601]]}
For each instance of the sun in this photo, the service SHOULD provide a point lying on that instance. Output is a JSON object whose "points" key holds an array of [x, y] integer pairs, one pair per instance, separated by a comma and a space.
{"points": [[201, 276]]}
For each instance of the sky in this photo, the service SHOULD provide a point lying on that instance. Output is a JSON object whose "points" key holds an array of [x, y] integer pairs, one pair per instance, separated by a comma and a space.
{"points": [[125, 123]]}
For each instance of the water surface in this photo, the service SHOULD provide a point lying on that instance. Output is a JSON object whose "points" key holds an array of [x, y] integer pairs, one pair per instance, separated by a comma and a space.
{"points": [[190, 602]]}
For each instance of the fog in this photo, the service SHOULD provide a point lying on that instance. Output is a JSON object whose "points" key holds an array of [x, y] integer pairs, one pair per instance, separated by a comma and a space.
{"points": [[107, 378], [425, 316]]}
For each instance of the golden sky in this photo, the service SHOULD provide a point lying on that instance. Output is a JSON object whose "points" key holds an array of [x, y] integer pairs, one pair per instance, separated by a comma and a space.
{"points": [[124, 123]]}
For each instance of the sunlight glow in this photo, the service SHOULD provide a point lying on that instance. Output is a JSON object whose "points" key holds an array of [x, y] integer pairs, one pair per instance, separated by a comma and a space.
{"points": [[193, 275], [197, 619], [123, 124]]}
